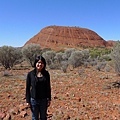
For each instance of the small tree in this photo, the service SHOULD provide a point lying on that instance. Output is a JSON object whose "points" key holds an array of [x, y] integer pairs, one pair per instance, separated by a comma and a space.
{"points": [[30, 51], [49, 56], [115, 55], [9, 56]]}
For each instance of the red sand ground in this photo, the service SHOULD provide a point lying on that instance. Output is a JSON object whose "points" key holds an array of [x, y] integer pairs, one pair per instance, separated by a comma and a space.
{"points": [[86, 96]]}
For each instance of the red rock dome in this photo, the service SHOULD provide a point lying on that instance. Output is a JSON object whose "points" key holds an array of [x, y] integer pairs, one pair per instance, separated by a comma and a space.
{"points": [[60, 37]]}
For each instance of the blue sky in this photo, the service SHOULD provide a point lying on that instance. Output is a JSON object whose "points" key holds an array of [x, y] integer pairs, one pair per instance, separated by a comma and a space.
{"points": [[20, 20]]}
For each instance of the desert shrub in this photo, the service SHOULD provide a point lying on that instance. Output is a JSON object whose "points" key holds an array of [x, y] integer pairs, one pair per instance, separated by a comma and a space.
{"points": [[98, 52], [94, 53], [64, 65], [45, 49], [101, 65], [54, 66], [58, 57], [93, 62], [115, 55], [49, 56], [86, 64], [76, 58], [107, 68], [64, 57], [9, 56], [106, 57], [69, 51], [86, 53], [30, 51]]}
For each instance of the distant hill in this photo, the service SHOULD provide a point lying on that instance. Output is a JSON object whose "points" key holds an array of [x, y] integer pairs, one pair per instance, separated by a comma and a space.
{"points": [[61, 37]]}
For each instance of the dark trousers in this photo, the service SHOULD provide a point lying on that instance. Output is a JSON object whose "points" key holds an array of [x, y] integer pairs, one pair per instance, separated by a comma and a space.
{"points": [[39, 109]]}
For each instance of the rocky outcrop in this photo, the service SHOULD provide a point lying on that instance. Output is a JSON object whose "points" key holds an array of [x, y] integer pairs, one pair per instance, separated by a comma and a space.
{"points": [[60, 37]]}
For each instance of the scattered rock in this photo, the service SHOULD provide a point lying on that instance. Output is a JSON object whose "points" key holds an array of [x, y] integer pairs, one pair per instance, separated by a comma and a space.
{"points": [[23, 113], [14, 111], [23, 107], [2, 115], [7, 117]]}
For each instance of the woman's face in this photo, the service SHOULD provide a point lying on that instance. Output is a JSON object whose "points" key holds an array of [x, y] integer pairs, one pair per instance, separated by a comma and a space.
{"points": [[39, 65]]}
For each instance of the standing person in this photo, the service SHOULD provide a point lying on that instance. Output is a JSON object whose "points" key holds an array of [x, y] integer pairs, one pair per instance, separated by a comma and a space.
{"points": [[38, 89]]}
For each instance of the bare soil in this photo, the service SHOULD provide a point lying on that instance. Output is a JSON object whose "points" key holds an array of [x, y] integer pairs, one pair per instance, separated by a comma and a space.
{"points": [[79, 94]]}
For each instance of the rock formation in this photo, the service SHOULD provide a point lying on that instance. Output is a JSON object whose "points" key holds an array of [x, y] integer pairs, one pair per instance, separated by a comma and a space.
{"points": [[61, 37]]}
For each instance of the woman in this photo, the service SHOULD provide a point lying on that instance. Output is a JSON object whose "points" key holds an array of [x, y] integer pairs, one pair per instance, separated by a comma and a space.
{"points": [[38, 89]]}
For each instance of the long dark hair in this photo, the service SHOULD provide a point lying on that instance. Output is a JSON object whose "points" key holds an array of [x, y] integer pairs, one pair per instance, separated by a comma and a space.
{"points": [[42, 59]]}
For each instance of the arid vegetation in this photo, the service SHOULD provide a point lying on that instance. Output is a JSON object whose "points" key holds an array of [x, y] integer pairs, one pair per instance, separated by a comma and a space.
{"points": [[85, 83]]}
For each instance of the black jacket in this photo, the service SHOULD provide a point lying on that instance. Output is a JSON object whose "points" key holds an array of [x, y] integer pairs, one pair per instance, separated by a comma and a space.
{"points": [[31, 83]]}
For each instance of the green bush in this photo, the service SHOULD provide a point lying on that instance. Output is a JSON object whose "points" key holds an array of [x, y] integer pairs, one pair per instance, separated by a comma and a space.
{"points": [[9, 56], [30, 51], [98, 52]]}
